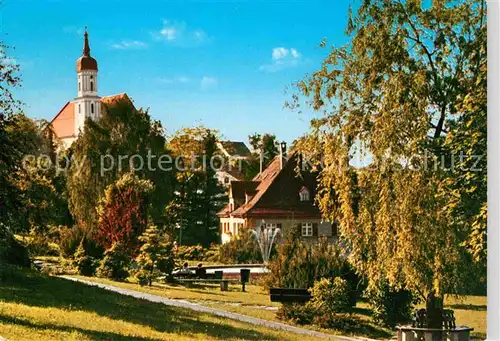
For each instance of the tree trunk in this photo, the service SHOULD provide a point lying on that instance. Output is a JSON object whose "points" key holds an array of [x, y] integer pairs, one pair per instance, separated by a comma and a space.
{"points": [[434, 307]]}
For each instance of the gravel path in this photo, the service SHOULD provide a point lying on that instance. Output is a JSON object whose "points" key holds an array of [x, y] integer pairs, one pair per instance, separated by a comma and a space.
{"points": [[193, 306]]}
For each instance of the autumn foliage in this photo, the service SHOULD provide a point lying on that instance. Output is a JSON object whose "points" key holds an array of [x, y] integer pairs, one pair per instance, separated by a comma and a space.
{"points": [[123, 212]]}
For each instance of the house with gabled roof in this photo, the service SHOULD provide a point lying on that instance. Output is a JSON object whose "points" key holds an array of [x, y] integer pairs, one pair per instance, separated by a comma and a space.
{"points": [[277, 198]]}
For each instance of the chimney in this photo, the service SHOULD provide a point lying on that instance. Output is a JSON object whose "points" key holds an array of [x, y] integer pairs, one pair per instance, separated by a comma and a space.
{"points": [[282, 154], [261, 151]]}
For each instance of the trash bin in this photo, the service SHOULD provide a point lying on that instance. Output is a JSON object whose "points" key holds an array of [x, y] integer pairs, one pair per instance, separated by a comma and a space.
{"points": [[245, 275]]}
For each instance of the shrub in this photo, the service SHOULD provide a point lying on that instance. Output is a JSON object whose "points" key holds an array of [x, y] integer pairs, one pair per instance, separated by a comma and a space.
{"points": [[12, 251], [84, 263], [192, 252], [114, 264], [7, 271], [330, 296], [298, 265], [390, 306], [39, 245], [326, 309], [296, 312], [155, 256], [69, 240], [212, 253], [240, 250]]}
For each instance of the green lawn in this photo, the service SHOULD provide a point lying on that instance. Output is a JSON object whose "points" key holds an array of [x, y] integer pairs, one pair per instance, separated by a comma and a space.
{"points": [[35, 306], [253, 303], [469, 310]]}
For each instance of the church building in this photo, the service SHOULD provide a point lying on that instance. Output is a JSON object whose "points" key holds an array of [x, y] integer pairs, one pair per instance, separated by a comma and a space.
{"points": [[69, 122]]}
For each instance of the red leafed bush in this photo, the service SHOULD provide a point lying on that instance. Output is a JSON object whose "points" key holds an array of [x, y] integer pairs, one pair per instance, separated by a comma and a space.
{"points": [[123, 212]]}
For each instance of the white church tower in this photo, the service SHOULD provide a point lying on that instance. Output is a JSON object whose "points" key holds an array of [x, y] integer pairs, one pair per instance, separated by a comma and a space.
{"points": [[87, 103]]}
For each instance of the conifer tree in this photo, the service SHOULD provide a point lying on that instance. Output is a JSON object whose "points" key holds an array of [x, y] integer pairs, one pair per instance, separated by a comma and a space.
{"points": [[155, 256]]}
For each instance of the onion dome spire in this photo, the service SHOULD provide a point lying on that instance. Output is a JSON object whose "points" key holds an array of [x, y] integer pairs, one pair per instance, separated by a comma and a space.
{"points": [[86, 47], [86, 62]]}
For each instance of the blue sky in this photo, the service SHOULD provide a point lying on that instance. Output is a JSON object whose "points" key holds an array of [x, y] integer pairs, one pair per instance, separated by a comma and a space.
{"points": [[224, 64]]}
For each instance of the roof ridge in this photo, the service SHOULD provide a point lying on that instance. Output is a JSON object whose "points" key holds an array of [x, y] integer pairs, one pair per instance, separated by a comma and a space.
{"points": [[115, 95], [60, 111]]}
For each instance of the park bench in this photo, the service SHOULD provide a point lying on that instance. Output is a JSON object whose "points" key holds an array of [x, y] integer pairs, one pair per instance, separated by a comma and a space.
{"points": [[289, 295], [201, 276]]}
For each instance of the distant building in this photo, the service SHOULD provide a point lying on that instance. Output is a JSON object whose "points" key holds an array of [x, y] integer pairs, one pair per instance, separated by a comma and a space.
{"points": [[275, 198], [229, 174], [70, 120], [235, 153], [234, 150]]}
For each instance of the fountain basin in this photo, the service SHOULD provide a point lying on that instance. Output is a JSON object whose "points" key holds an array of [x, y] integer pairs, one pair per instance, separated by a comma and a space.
{"points": [[409, 333]]}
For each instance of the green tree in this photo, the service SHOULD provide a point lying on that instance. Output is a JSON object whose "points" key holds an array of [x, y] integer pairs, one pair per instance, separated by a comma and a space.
{"points": [[122, 131], [392, 93], [155, 256], [10, 155], [115, 263], [465, 186], [199, 196], [269, 145], [42, 189]]}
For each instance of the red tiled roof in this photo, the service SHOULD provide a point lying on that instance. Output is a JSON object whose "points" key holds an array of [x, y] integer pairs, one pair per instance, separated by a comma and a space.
{"points": [[265, 179], [63, 124], [277, 193], [240, 188]]}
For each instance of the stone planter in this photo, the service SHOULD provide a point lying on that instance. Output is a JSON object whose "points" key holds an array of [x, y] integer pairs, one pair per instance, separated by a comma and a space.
{"points": [[409, 333]]}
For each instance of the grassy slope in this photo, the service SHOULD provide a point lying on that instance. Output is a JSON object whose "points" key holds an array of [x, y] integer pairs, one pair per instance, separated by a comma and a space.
{"points": [[249, 303], [469, 310], [33, 306]]}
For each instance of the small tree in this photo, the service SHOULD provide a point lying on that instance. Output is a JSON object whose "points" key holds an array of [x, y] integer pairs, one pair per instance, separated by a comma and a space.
{"points": [[123, 212], [155, 256], [83, 262], [114, 264]]}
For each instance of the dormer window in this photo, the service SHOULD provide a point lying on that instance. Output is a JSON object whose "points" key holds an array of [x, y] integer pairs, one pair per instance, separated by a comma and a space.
{"points": [[304, 194]]}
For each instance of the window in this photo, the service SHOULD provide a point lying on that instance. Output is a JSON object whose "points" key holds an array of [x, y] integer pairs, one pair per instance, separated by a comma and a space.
{"points": [[79, 108], [91, 86], [226, 180], [79, 86], [304, 194], [270, 226], [307, 229], [92, 108]]}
